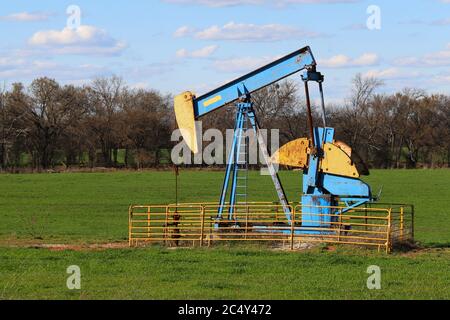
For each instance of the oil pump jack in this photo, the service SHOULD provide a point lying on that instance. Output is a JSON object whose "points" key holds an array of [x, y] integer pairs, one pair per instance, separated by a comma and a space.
{"points": [[330, 174]]}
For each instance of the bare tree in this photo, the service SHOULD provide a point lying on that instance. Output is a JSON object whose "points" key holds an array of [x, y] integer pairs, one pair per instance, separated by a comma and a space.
{"points": [[358, 114], [106, 102], [48, 111], [146, 121]]}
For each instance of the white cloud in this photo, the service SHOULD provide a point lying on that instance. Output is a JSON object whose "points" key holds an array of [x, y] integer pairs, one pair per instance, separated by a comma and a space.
{"points": [[217, 3], [439, 58], [7, 63], [182, 31], [406, 61], [82, 40], [392, 73], [367, 59], [26, 16], [384, 73], [68, 36], [141, 85], [200, 53], [248, 32], [343, 61], [282, 2], [141, 73], [437, 23], [25, 65], [243, 64], [26, 70], [441, 79], [434, 59], [355, 26], [230, 3]]}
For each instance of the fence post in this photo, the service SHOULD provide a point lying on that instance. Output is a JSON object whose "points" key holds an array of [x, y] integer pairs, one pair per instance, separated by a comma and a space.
{"points": [[166, 226], [401, 223], [292, 228], [148, 222], [388, 240], [247, 212], [339, 225], [202, 225], [130, 212], [365, 216]]}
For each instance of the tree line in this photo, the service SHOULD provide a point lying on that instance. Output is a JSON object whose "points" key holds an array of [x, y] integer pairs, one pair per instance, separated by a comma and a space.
{"points": [[108, 124]]}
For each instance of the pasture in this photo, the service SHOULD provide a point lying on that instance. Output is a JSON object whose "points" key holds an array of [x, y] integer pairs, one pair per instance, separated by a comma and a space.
{"points": [[84, 209]]}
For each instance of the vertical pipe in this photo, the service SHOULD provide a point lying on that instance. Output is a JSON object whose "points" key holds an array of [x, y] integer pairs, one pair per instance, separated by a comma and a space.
{"points": [[324, 118], [309, 114]]}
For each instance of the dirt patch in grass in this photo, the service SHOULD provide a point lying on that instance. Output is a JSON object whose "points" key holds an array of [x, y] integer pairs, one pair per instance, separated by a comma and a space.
{"points": [[405, 251], [74, 247]]}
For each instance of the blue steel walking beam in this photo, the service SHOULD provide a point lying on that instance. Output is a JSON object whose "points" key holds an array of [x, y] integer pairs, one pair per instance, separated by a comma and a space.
{"points": [[260, 78], [189, 108]]}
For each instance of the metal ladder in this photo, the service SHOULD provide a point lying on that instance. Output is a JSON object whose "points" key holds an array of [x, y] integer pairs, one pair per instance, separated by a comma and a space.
{"points": [[242, 158]]}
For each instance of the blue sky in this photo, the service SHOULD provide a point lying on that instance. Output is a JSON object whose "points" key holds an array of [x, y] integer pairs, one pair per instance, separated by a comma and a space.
{"points": [[178, 45]]}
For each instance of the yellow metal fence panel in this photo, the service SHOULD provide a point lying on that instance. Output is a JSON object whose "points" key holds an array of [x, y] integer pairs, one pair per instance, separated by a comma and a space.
{"points": [[197, 224]]}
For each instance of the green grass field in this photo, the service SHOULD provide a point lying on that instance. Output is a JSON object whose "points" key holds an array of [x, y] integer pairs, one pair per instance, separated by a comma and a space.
{"points": [[92, 208]]}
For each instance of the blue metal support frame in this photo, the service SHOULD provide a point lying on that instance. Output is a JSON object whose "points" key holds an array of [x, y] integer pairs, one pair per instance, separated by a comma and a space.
{"points": [[245, 111]]}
